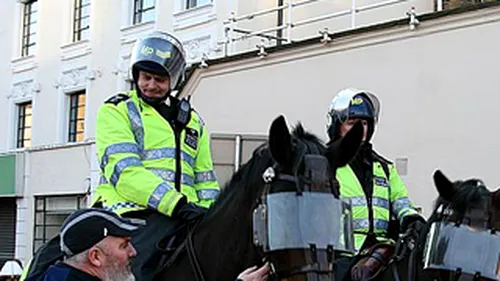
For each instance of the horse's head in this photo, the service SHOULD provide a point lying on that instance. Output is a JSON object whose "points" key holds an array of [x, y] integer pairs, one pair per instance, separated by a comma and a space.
{"points": [[298, 221], [463, 237], [226, 241], [468, 202]]}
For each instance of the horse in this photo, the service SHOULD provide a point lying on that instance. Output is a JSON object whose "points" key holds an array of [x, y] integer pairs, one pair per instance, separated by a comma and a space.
{"points": [[464, 208], [221, 245]]}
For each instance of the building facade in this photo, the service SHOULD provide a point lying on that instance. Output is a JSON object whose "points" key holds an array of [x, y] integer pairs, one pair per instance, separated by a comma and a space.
{"points": [[59, 60]]}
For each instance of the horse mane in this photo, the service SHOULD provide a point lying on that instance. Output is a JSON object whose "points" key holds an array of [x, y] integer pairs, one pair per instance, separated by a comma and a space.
{"points": [[469, 193], [250, 174]]}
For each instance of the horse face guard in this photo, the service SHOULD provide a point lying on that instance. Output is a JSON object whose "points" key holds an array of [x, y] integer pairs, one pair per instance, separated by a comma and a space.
{"points": [[456, 245], [302, 228]]}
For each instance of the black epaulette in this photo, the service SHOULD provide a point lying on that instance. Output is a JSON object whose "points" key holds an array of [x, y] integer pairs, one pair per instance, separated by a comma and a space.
{"points": [[116, 99], [380, 158]]}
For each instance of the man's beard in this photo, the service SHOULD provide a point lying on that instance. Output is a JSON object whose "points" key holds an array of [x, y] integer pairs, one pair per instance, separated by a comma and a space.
{"points": [[117, 273]]}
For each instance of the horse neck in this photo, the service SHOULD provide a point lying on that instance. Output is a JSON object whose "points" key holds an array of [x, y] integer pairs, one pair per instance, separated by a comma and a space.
{"points": [[223, 241]]}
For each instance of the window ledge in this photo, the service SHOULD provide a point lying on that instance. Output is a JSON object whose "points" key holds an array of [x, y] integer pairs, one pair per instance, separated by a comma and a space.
{"points": [[22, 64], [46, 147], [75, 50], [194, 16], [132, 32]]}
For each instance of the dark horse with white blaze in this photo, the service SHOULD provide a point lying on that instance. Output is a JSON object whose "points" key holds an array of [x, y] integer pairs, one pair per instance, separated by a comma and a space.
{"points": [[461, 240], [221, 245]]}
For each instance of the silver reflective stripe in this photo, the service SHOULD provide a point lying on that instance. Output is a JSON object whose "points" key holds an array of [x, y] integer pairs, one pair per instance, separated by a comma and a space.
{"points": [[169, 175], [160, 153], [401, 204], [201, 122], [124, 147], [205, 176], [121, 166], [117, 222], [363, 224], [406, 212], [360, 201], [158, 194], [207, 194], [102, 180], [135, 121]]}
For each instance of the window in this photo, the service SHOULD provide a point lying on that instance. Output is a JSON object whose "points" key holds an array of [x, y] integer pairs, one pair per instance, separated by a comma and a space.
{"points": [[50, 213], [24, 121], [81, 23], [144, 11], [229, 152], [30, 17], [196, 3], [76, 118]]}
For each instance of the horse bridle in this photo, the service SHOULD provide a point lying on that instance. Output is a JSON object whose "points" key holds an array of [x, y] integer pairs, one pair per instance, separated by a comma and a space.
{"points": [[269, 176], [303, 183], [272, 175]]}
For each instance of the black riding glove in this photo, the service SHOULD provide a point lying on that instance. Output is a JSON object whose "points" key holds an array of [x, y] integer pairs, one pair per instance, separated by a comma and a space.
{"points": [[188, 211], [414, 224]]}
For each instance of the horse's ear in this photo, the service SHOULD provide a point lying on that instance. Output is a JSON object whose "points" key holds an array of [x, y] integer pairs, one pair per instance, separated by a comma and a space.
{"points": [[341, 151], [280, 141], [444, 186]]}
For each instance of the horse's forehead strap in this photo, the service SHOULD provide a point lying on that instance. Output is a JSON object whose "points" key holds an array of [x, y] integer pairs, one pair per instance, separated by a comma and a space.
{"points": [[317, 168]]}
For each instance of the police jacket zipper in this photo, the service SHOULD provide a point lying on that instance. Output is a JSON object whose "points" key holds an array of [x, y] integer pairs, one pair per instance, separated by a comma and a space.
{"points": [[370, 214], [178, 166]]}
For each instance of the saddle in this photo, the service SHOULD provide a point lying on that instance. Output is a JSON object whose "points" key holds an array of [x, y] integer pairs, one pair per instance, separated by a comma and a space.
{"points": [[373, 261]]}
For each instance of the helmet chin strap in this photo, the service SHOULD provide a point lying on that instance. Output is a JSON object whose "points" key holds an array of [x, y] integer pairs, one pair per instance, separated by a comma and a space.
{"points": [[370, 131]]}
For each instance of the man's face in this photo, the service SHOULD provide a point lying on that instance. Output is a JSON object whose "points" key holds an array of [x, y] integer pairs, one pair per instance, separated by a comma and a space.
{"points": [[347, 126], [117, 264], [152, 85]]}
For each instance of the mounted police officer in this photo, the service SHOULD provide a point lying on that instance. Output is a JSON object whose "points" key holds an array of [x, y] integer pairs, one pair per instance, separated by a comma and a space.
{"points": [[154, 150], [370, 181]]}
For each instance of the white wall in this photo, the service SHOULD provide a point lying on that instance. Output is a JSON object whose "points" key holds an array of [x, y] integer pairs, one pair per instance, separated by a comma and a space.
{"points": [[6, 37], [438, 88]]}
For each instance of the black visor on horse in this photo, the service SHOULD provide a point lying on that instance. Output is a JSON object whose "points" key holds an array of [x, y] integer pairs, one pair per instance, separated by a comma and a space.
{"points": [[463, 238], [463, 249]]}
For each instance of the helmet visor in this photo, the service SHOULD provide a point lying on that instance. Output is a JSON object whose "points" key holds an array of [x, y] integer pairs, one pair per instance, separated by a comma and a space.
{"points": [[343, 104]]}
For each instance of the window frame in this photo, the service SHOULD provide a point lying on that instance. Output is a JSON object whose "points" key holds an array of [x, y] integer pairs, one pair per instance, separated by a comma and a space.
{"points": [[139, 10], [27, 27], [79, 198], [74, 107], [191, 4], [77, 20], [238, 147], [21, 125]]}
